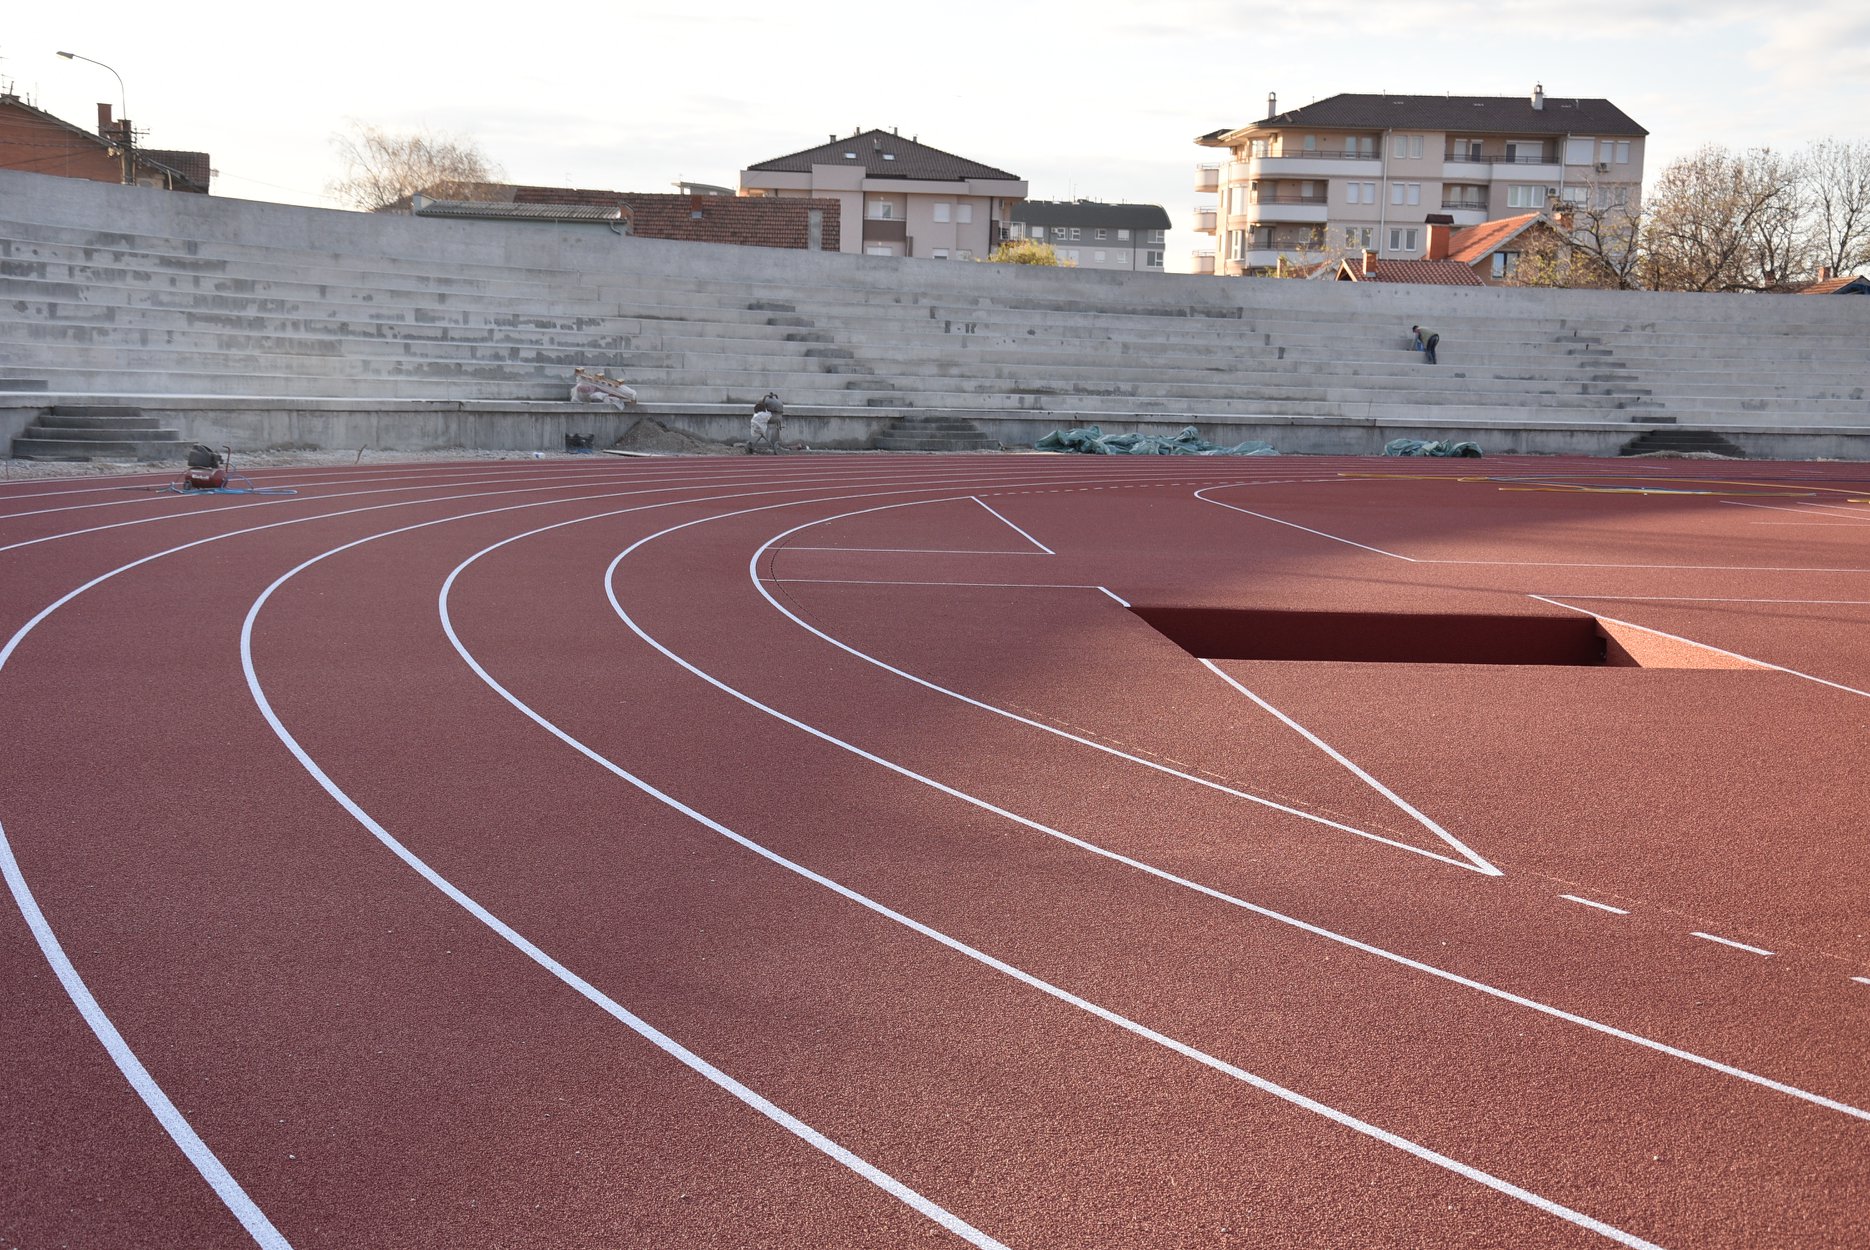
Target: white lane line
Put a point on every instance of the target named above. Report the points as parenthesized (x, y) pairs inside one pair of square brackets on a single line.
[(854, 581), (1220, 896), (1720, 599), (173, 1122), (1593, 903), (925, 551), (1133, 1027), (1016, 529), (1521, 564), (1740, 946), (1857, 519), (1403, 804), (1861, 980), (1203, 496), (1121, 602), (1779, 668), (635, 1023)]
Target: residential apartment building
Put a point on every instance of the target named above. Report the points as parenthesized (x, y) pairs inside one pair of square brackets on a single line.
[(896, 196), (1364, 172), (1093, 235)]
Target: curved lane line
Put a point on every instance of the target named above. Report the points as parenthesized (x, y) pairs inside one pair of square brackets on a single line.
[(1504, 995), (649, 1032)]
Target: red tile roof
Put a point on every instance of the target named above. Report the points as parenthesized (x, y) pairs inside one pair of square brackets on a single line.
[(1474, 243), (1830, 286)]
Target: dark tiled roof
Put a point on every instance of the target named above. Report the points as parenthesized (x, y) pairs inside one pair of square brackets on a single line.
[(194, 166), (1490, 114), (1091, 213), (884, 155), (501, 211), (1423, 272), (1471, 243), (752, 221)]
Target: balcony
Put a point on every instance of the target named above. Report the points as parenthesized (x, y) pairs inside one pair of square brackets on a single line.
[(1309, 164), (1207, 177), (1205, 215), (1466, 212), (1282, 208), (1203, 262)]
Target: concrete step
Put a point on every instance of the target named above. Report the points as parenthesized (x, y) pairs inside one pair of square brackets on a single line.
[(33, 447)]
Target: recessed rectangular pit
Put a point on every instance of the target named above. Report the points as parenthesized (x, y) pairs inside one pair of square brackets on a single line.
[(1380, 637)]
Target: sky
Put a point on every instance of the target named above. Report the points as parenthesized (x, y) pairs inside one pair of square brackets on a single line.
[(1091, 100)]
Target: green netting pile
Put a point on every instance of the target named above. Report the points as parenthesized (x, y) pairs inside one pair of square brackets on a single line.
[(1423, 447), (1188, 442)]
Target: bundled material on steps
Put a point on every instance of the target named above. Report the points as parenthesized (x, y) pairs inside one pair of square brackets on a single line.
[(1093, 441), (1426, 447)]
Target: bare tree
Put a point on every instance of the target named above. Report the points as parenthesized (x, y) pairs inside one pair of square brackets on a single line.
[(1721, 222), (1597, 245), (1837, 186), (381, 169)]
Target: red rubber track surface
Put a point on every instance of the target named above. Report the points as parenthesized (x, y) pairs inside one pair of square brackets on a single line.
[(819, 852)]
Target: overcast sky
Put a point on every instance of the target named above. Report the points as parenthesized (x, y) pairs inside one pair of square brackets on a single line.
[(1090, 100)]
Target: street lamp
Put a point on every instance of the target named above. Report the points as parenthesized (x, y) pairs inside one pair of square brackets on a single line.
[(123, 118)]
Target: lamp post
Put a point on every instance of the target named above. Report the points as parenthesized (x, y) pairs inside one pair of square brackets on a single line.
[(123, 119)]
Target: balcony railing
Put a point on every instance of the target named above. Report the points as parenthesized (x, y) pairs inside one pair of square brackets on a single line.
[(1479, 206), (1322, 154), (1518, 158), (1207, 177), (1288, 197)]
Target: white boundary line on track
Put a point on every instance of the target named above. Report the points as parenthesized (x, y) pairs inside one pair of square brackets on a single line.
[(1735, 655), (1741, 946), (1852, 516), (1016, 529), (635, 1023), (922, 551), (1516, 564), (1593, 903), (1342, 1118), (1408, 808), (858, 581)]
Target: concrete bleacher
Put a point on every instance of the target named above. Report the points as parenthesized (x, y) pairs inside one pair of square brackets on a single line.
[(268, 325)]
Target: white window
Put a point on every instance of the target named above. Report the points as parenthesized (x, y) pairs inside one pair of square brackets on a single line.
[(878, 249), (882, 210), (964, 254), (941, 253), (1155, 236), (1411, 147), (1154, 260), (1018, 230), (1623, 152), (964, 213), (1402, 240), (1353, 192), (1311, 143), (1350, 145), (1358, 236), (942, 208), (1075, 232), (1101, 236), (1098, 255), (1070, 254), (1606, 152), (1058, 232), (1527, 197), (1405, 193), (1123, 236), (1505, 264)]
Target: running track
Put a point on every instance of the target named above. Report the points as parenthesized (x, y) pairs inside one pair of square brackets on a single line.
[(818, 852)]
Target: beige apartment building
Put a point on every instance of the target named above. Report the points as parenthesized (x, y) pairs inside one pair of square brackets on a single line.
[(1364, 172), (897, 197)]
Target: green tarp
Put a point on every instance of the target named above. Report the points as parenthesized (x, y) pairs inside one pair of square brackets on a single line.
[(1093, 441)]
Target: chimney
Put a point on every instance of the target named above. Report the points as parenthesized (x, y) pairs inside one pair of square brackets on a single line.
[(1825, 274), (1370, 262), (1438, 235), (103, 120), (1272, 103), (1538, 96)]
